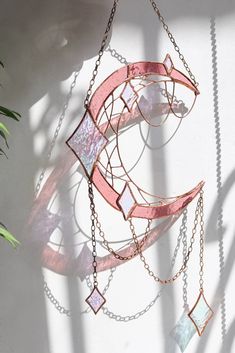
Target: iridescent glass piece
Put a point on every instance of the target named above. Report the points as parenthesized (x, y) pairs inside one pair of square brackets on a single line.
[(95, 300), (129, 95), (168, 64), (126, 201), (201, 314), (87, 142)]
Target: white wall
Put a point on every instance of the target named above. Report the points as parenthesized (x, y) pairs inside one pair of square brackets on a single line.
[(36, 80)]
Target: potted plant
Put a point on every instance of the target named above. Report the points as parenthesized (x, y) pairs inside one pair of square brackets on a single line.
[(6, 113)]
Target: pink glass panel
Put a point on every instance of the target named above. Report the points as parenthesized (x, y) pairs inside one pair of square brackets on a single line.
[(147, 212), (131, 71)]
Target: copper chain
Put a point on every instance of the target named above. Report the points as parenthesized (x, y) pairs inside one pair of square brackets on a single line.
[(101, 52), (198, 213), (112, 251), (201, 253), (93, 238), (104, 42), (173, 41)]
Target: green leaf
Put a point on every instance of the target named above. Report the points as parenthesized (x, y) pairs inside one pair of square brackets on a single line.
[(1, 64), (3, 132), (9, 113), (9, 237), (4, 137), (4, 129)]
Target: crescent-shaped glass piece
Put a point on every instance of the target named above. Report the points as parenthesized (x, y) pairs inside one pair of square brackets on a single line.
[(88, 141)]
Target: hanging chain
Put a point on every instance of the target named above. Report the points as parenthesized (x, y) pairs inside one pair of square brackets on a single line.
[(201, 254), (185, 275), (112, 251), (173, 41), (183, 267), (93, 238), (122, 59), (113, 52), (127, 318), (90, 190), (101, 52), (105, 310), (110, 278)]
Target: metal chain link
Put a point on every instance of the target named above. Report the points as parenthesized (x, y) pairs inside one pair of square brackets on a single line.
[(101, 52), (93, 238), (185, 275), (173, 41), (190, 248), (105, 310), (122, 59), (140, 313), (117, 55), (201, 253), (47, 291), (112, 251), (114, 53)]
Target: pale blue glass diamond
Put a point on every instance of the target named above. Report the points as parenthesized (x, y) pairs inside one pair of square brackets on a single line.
[(183, 331), (201, 314), (87, 142)]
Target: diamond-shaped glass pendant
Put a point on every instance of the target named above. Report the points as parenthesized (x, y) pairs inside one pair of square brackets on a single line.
[(95, 300), (183, 331), (87, 142), (201, 314), (126, 201), (129, 95), (168, 64)]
